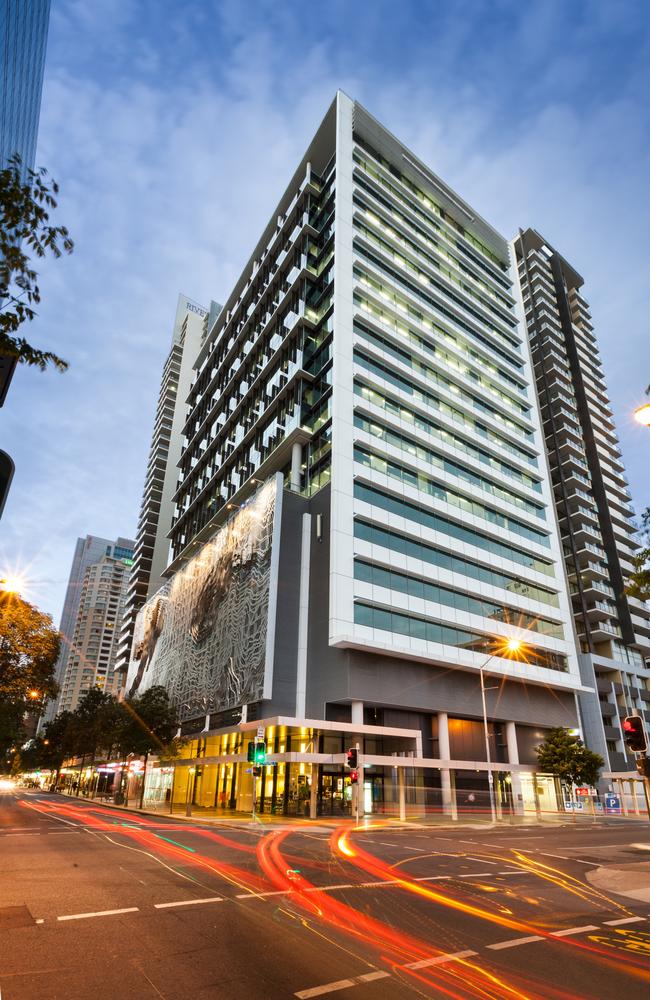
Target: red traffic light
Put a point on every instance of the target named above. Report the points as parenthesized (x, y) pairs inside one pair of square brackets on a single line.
[(354, 777), (352, 758), (634, 733)]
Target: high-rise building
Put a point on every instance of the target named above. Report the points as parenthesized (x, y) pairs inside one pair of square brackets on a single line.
[(23, 40), (591, 496), (81, 606), (364, 513), (152, 541)]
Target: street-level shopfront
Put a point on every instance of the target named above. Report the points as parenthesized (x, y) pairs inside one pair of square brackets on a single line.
[(305, 775)]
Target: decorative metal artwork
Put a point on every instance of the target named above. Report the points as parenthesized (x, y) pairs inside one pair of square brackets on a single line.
[(203, 635)]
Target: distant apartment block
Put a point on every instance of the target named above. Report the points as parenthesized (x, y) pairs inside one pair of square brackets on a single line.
[(152, 542), (592, 498), (91, 619)]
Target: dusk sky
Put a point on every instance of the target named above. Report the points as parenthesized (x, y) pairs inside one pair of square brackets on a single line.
[(173, 128)]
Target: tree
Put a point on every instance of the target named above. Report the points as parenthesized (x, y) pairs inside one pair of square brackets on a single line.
[(94, 724), (25, 204), (29, 649), (566, 757), (149, 723), (638, 584)]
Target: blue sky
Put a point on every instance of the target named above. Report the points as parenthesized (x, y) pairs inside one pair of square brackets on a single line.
[(173, 128)]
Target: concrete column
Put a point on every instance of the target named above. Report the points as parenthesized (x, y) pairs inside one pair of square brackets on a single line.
[(357, 713), (313, 797), (401, 788), (446, 777), (633, 785), (513, 758), (623, 796), (296, 463)]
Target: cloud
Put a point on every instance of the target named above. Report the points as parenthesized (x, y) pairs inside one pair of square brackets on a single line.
[(174, 132)]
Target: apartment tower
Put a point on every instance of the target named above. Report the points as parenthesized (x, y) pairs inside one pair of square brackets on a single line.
[(152, 543), (592, 499)]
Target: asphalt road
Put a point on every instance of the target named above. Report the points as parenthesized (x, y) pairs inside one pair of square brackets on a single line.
[(100, 904)]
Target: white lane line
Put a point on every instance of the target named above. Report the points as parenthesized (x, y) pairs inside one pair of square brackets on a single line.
[(262, 895), (432, 878), (624, 920), (563, 858), (475, 875), (189, 902), (513, 871), (340, 984), (514, 942), (40, 920), (326, 888), (441, 959), (99, 913), (482, 861), (574, 930), (384, 844)]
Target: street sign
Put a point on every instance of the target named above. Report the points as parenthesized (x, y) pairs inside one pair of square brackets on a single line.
[(260, 732), (582, 791), (612, 804)]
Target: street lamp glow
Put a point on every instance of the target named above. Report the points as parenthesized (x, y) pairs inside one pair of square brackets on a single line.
[(642, 414)]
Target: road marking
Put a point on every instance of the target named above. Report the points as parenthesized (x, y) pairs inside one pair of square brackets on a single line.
[(563, 858), (482, 861), (441, 959), (40, 920), (476, 875), (99, 913), (513, 871), (189, 902), (624, 920), (514, 942), (261, 895), (340, 984), (574, 930)]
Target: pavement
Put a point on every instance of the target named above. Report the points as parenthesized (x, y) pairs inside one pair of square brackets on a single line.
[(98, 902)]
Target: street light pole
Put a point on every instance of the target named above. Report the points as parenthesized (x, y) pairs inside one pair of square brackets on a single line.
[(486, 735)]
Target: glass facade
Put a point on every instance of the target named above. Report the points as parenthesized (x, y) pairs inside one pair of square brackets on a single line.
[(23, 40), (266, 369)]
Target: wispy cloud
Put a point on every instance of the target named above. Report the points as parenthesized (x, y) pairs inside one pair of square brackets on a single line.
[(173, 130)]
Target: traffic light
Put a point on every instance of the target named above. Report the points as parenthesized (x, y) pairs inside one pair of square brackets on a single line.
[(260, 753), (251, 753), (643, 766), (352, 758), (634, 733), (257, 772), (354, 777)]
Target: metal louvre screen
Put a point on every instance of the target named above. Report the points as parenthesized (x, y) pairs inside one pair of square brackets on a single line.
[(203, 636)]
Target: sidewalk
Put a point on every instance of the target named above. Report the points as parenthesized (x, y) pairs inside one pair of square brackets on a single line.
[(631, 880), (244, 819)]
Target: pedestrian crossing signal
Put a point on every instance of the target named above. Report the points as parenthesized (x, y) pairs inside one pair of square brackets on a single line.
[(260, 753)]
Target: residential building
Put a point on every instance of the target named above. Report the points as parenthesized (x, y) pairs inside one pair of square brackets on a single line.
[(591, 496), (23, 40), (364, 513), (86, 602), (152, 542)]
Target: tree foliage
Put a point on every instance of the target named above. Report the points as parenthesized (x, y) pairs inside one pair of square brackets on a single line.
[(26, 200), (148, 722), (638, 584), (568, 758), (29, 649)]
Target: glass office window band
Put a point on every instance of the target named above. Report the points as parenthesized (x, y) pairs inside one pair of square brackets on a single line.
[(381, 370), (414, 512), (412, 447), (386, 466), (414, 627), (378, 576), (396, 542), (439, 431)]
